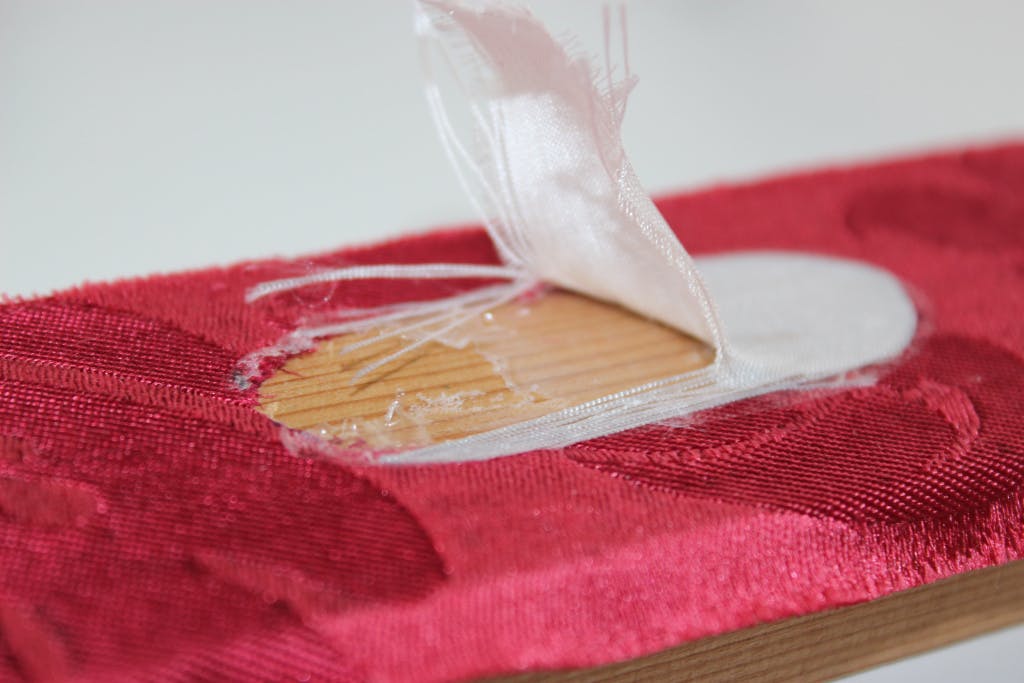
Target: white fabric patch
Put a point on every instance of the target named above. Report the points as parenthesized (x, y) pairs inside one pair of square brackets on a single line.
[(790, 315)]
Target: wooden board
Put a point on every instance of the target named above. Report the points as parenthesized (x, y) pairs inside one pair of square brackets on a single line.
[(834, 643), (519, 361)]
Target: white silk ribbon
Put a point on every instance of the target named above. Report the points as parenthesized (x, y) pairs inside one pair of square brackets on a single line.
[(539, 151)]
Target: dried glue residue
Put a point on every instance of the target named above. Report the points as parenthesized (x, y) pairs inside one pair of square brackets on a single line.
[(513, 363)]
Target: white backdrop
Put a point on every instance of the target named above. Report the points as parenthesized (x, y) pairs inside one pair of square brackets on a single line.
[(151, 135), (154, 135)]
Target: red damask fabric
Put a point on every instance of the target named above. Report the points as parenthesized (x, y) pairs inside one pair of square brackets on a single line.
[(154, 527)]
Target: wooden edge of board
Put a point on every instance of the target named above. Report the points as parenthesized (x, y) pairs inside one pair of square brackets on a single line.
[(829, 644)]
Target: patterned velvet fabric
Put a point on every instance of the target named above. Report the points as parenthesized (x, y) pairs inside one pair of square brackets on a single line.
[(154, 527)]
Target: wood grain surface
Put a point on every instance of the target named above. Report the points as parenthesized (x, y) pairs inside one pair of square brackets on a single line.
[(519, 361)]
